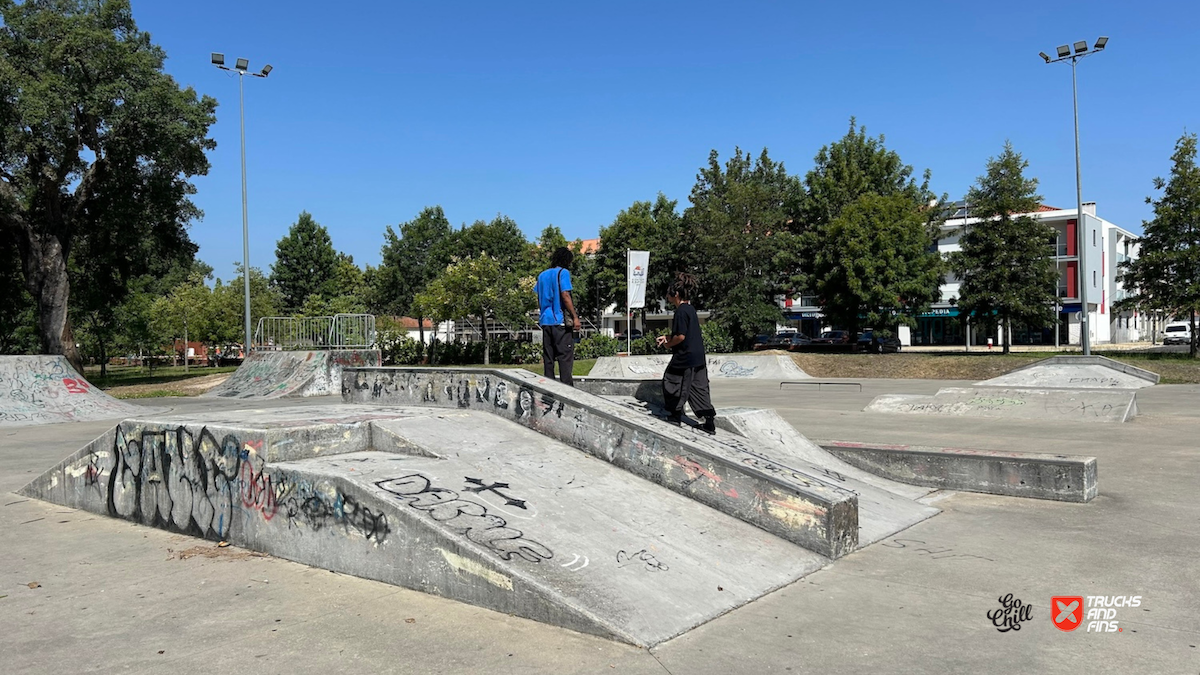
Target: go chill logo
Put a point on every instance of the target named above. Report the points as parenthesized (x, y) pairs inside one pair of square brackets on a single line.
[(1097, 612)]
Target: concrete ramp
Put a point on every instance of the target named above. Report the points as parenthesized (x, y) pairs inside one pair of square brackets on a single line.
[(885, 507), (1083, 405), (280, 374), (1076, 372), (47, 390), (734, 366), (454, 502)]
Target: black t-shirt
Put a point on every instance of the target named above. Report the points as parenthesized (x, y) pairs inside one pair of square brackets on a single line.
[(690, 352)]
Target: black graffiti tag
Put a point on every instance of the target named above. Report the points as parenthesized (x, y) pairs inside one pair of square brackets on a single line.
[(467, 518)]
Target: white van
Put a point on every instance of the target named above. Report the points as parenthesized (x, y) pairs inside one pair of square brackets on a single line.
[(1177, 333)]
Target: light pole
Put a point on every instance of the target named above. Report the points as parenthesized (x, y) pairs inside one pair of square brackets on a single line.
[(1065, 53), (241, 66)]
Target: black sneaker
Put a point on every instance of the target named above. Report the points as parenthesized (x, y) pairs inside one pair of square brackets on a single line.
[(709, 426), (674, 420)]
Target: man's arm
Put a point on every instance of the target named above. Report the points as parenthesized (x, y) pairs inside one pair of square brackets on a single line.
[(569, 306)]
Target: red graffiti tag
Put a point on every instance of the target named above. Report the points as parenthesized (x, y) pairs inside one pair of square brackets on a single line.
[(695, 471), (257, 492), (75, 386)]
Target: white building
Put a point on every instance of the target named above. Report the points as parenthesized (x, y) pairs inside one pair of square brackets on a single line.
[(1105, 246)]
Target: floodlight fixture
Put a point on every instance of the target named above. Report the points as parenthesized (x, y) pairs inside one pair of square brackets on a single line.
[(265, 71), (1064, 51), (242, 64), (1081, 46), (1045, 56), (1101, 42), (218, 59)]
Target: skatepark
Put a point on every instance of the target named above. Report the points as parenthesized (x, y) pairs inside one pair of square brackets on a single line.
[(480, 519)]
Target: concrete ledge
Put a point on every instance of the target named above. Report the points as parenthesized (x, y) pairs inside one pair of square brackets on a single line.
[(1065, 478), (1084, 405), (789, 502)]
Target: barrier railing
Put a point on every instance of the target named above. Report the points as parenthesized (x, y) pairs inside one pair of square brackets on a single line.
[(340, 331)]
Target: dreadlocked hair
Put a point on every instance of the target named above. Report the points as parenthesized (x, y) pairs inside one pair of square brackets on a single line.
[(684, 286), (562, 257)]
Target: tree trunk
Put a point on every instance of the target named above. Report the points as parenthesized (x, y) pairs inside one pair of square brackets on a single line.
[(421, 332), (45, 266), (185, 345), (486, 345), (1192, 345), (1006, 334)]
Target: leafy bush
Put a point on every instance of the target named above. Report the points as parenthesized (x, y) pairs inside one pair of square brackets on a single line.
[(471, 353), (597, 345), (717, 340), (646, 343), (397, 348)]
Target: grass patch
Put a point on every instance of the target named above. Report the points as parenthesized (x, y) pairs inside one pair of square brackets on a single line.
[(157, 393), (1172, 368), (122, 376)]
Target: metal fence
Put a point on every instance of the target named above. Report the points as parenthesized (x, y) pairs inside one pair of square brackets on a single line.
[(341, 331)]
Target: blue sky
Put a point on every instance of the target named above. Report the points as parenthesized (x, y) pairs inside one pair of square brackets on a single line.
[(565, 113)]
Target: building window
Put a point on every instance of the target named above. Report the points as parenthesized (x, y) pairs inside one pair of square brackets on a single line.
[(1093, 277), (1093, 237)]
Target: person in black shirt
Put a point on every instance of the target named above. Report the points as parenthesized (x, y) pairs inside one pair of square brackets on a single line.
[(685, 381)]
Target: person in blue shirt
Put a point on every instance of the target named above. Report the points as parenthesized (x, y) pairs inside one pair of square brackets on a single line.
[(685, 380), (554, 308)]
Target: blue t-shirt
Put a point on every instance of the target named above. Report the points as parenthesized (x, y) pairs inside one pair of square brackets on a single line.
[(549, 301)]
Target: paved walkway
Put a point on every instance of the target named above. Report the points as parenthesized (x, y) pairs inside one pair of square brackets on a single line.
[(118, 597)]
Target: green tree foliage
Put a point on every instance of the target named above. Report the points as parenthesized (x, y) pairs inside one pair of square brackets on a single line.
[(186, 314), (876, 264), (482, 288), (1166, 274), (97, 145), (1006, 272), (347, 293), (229, 302), (18, 318), (656, 227), (740, 240), (305, 264), (409, 262), (501, 239)]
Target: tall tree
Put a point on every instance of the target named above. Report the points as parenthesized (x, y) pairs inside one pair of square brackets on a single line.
[(1005, 271), (479, 287), (18, 320), (741, 242), (643, 226), (1166, 274), (500, 238), (228, 305), (305, 263), (96, 142), (410, 261), (877, 264)]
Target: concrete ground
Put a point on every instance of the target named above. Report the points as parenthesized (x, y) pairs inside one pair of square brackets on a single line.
[(114, 597)]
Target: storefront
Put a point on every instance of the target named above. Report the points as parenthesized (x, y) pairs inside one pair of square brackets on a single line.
[(939, 326)]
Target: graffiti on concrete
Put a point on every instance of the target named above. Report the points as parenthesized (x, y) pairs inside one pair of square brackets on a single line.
[(643, 559), (271, 374), (731, 368), (465, 517), (172, 478), (477, 486), (323, 507), (45, 389)]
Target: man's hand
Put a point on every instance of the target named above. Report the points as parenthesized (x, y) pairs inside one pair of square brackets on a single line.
[(577, 325), (661, 340)]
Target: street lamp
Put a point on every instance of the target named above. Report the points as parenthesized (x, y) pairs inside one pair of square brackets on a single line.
[(1064, 53), (241, 67)]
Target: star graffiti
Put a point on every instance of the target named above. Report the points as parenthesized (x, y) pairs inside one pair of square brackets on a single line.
[(477, 486)]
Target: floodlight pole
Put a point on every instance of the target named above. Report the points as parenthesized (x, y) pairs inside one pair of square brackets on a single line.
[(1080, 229), (241, 68), (1085, 338), (245, 216)]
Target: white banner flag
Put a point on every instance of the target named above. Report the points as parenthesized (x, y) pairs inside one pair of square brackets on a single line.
[(639, 262)]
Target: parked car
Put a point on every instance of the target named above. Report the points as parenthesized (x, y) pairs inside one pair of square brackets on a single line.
[(784, 340), (760, 339), (635, 335), (872, 342), (832, 338), (1177, 333)]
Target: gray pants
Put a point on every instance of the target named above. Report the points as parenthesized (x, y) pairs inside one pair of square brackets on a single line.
[(558, 346), (690, 386)]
